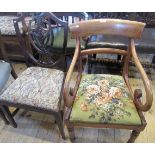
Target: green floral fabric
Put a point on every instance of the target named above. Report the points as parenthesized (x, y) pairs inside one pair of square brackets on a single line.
[(104, 99)]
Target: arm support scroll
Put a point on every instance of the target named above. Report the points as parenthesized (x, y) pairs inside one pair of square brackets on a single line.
[(146, 82), (69, 94)]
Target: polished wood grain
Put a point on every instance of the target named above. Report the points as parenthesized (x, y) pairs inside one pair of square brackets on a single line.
[(103, 51), (69, 94), (146, 81), (126, 59), (126, 28)]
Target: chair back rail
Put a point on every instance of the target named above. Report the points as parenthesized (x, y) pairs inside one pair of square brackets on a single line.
[(103, 50), (126, 28)]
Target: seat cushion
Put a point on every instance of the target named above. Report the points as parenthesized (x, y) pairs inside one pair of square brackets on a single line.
[(104, 99), (5, 70), (37, 87)]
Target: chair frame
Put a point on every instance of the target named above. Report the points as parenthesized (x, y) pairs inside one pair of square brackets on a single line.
[(58, 113), (130, 29)]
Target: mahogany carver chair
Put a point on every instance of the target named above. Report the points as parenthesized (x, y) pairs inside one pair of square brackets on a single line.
[(38, 88), (102, 100)]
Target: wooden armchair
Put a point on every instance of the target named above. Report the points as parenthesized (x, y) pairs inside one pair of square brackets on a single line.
[(101, 100)]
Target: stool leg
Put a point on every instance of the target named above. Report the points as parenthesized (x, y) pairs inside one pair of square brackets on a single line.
[(71, 131), (60, 125), (133, 136), (3, 117), (9, 116)]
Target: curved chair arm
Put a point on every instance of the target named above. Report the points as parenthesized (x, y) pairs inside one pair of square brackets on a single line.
[(146, 81), (69, 93)]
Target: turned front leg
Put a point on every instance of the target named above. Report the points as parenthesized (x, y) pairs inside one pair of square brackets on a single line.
[(133, 136), (71, 132)]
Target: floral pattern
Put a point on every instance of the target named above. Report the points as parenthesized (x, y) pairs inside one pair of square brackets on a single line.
[(37, 87), (104, 98)]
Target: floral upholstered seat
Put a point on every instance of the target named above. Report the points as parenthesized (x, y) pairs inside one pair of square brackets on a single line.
[(37, 87), (104, 99)]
